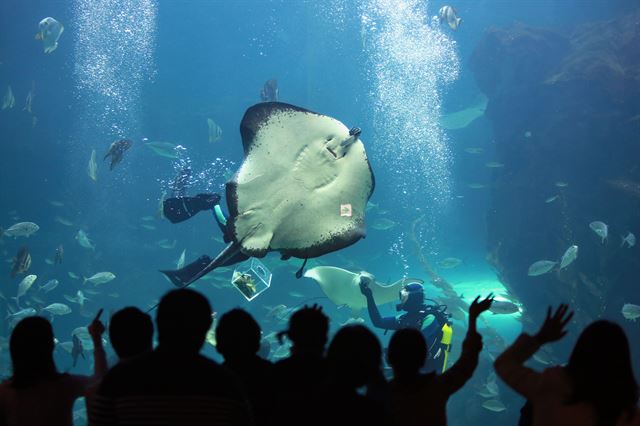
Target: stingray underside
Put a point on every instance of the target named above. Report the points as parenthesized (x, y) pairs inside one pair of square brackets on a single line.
[(301, 190)]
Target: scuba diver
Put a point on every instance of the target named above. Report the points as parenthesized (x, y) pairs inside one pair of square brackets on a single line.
[(179, 209), (432, 320)]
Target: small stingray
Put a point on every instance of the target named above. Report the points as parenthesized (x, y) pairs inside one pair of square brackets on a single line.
[(301, 190), (461, 119), (342, 287)]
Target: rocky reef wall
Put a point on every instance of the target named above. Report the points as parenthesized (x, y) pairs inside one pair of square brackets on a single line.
[(565, 111)]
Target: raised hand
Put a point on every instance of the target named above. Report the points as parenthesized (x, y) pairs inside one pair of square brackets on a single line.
[(477, 308), (553, 327), (96, 328)]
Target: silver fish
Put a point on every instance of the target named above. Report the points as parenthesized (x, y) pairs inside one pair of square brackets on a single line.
[(23, 313), (84, 241), (100, 278), (541, 267), (24, 286), (50, 285), (630, 240), (448, 15), (57, 309), (494, 405), (630, 311), (8, 101), (92, 167), (569, 256), (600, 228), (215, 132), (504, 307), (21, 229)]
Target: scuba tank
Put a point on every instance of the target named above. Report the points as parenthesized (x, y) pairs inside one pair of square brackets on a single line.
[(442, 339)]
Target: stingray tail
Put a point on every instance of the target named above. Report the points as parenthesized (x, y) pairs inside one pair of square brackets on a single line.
[(300, 271)]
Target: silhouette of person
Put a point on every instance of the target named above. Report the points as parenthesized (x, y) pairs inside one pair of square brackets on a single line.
[(131, 333), (238, 338), (37, 394), (298, 394), (354, 360), (596, 387), (173, 384), (419, 399)]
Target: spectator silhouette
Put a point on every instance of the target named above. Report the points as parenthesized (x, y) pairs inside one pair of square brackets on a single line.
[(298, 394), (419, 399), (238, 341), (174, 384), (596, 387), (354, 360), (131, 333), (37, 394)]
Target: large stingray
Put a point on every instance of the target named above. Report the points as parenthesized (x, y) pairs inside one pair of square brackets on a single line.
[(342, 287), (301, 190)]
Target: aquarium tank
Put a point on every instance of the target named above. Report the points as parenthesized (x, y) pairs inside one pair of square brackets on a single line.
[(472, 147)]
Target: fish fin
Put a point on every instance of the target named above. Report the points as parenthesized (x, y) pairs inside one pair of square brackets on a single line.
[(84, 280), (38, 36), (458, 20)]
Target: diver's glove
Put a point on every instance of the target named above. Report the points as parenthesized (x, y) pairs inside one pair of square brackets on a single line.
[(365, 280)]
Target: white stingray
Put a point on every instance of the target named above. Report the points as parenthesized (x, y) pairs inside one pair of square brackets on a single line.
[(462, 118), (342, 287)]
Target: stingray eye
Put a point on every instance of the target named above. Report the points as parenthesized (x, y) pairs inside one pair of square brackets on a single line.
[(329, 138)]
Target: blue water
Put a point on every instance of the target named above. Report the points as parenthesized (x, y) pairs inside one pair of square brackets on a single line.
[(155, 69)]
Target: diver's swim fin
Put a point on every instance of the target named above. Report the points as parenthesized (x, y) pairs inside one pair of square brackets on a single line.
[(203, 265), (182, 208), (182, 277)]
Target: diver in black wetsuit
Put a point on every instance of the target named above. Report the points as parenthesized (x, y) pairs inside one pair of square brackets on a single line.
[(431, 320), (179, 209)]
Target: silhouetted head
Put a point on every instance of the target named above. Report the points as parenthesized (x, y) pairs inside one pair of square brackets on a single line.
[(31, 348), (184, 317), (237, 335), (601, 372), (407, 352), (131, 332), (411, 297), (308, 328), (354, 356)]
